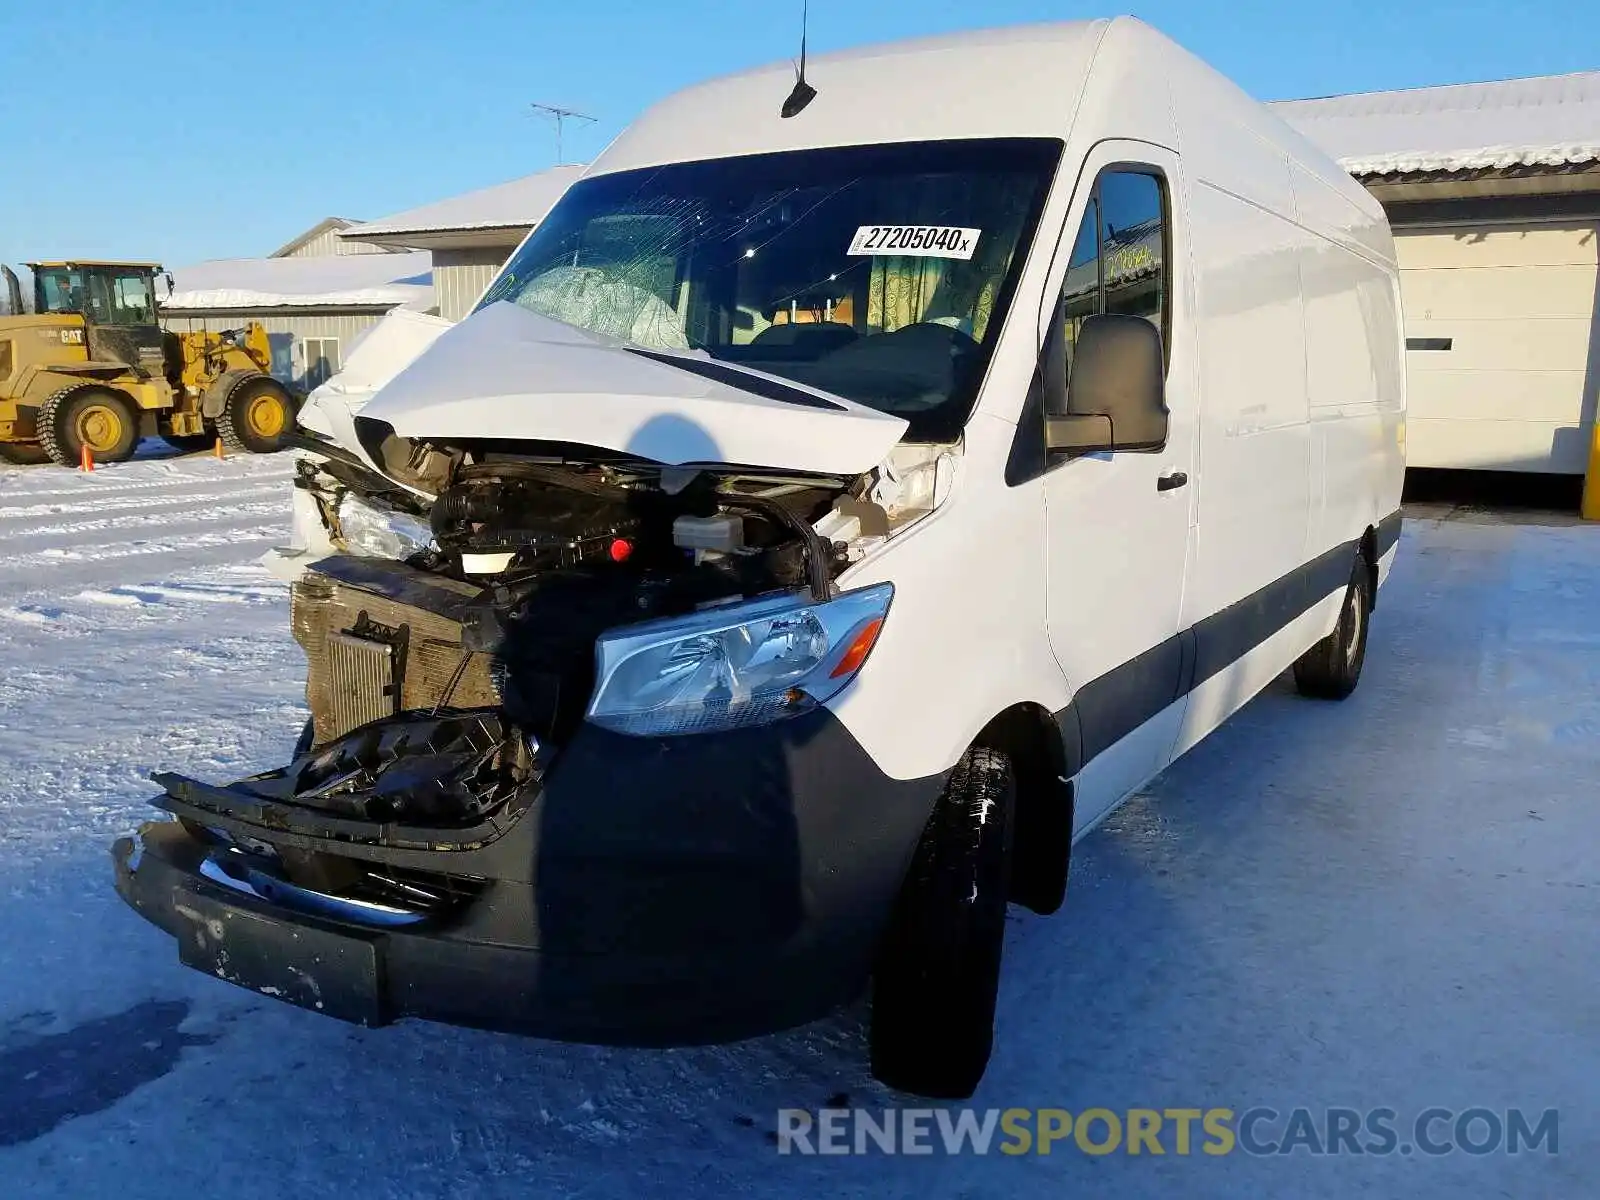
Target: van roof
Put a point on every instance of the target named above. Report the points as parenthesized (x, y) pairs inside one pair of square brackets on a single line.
[(1017, 81)]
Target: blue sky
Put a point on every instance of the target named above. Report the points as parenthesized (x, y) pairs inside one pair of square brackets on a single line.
[(190, 129)]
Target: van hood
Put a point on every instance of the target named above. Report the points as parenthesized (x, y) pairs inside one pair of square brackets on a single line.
[(380, 354), (507, 373)]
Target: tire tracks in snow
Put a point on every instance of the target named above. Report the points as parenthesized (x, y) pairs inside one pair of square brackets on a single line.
[(67, 537), (36, 516), (28, 565)]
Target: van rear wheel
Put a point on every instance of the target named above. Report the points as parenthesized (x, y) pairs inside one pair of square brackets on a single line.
[(938, 971), (1331, 669)]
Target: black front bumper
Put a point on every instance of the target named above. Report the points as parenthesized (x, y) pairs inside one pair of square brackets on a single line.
[(656, 891)]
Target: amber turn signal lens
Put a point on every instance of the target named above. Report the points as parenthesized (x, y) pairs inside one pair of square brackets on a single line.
[(856, 652)]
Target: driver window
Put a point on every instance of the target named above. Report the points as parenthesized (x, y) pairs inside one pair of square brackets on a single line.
[(1119, 260), (1133, 241)]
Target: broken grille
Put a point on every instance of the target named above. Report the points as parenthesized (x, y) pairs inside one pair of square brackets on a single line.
[(345, 630)]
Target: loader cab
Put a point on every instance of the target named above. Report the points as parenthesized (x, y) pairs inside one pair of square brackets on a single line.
[(117, 302)]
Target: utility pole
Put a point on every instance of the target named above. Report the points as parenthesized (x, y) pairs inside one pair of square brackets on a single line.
[(560, 116)]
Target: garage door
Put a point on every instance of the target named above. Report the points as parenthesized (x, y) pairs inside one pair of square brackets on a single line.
[(1503, 345)]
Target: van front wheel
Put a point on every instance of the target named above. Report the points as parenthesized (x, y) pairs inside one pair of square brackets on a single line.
[(1331, 669), (938, 972)]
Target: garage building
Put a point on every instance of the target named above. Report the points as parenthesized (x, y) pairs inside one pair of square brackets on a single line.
[(1493, 190), (470, 236), (314, 296)]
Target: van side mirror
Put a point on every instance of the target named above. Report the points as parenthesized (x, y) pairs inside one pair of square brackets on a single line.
[(1116, 390)]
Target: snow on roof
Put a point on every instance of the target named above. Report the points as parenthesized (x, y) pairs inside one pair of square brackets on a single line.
[(342, 281), (1548, 120), (521, 203)]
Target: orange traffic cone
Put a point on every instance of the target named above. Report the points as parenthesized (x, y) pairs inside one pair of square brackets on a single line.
[(85, 458), (217, 449)]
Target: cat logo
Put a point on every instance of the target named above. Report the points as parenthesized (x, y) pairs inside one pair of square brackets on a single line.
[(72, 337)]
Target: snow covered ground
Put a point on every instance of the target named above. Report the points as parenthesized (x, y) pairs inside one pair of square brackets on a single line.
[(1387, 903)]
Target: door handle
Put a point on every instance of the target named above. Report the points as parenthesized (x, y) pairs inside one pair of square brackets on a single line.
[(1170, 480)]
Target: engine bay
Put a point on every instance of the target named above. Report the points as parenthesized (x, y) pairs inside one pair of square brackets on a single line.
[(451, 635)]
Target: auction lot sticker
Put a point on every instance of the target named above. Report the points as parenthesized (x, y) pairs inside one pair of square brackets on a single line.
[(922, 241)]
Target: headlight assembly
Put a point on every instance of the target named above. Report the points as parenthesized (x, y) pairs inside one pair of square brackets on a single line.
[(734, 666), (381, 532)]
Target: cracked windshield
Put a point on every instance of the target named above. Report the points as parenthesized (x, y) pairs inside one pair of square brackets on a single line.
[(877, 273)]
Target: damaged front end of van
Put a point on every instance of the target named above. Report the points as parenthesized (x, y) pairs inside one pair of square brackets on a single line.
[(586, 589), (569, 768)]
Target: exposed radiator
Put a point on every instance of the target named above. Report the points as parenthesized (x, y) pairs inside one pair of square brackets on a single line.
[(362, 684), (381, 637)]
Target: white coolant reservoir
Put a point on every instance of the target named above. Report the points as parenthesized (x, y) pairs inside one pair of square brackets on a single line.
[(486, 564)]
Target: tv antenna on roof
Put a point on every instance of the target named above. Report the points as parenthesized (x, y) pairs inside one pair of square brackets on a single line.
[(560, 116)]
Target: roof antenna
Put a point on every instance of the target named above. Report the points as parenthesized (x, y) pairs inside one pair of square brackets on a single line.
[(559, 116), (803, 93)]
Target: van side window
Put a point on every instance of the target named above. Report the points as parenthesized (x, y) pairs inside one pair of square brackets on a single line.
[(1133, 239), (1119, 260)]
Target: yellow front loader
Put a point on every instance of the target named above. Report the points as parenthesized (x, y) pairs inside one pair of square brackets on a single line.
[(91, 367)]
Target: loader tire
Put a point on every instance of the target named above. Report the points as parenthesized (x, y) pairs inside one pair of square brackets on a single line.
[(23, 454), (256, 415), (938, 970), (1331, 669), (86, 415)]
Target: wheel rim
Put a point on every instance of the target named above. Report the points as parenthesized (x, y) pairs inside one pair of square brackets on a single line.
[(101, 426), (265, 415), (1358, 618)]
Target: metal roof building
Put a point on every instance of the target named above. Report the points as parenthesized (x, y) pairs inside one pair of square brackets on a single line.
[(471, 235), (314, 296), (1548, 122), (323, 239)]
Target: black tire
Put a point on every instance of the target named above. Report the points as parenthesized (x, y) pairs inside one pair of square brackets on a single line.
[(938, 971), (239, 424), (105, 418), (23, 454), (1331, 669)]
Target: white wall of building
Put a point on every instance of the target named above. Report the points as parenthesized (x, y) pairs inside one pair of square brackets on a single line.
[(329, 242), (460, 275), (306, 346)]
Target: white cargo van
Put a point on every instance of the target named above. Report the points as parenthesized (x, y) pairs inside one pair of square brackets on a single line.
[(848, 494)]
